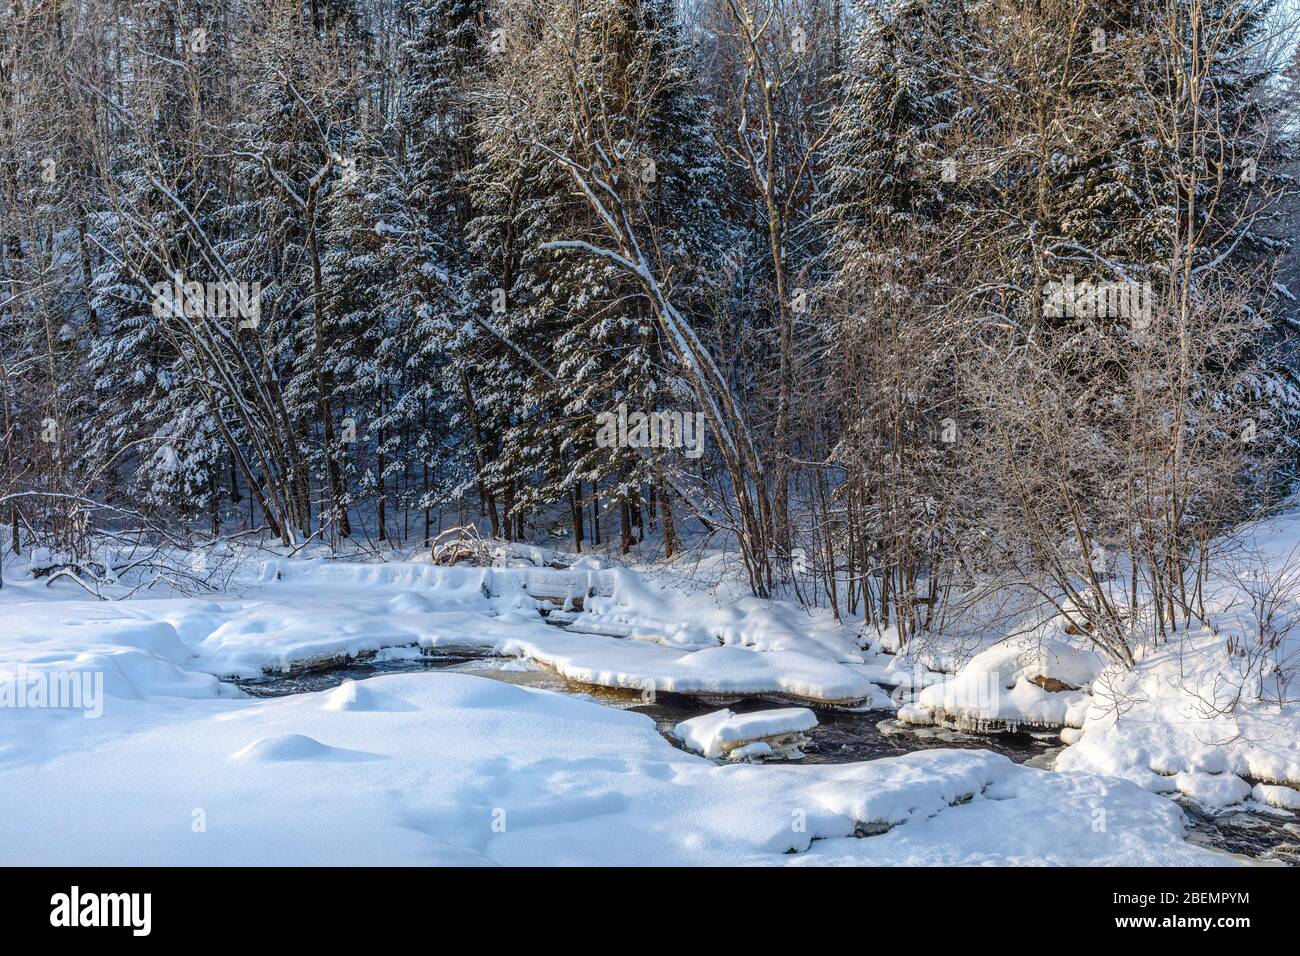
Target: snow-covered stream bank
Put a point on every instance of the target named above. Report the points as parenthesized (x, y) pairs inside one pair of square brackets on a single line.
[(454, 767)]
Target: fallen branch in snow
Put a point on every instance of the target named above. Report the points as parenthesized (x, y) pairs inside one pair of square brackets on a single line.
[(68, 572)]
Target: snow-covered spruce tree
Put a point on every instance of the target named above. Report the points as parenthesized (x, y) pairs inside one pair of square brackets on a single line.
[(440, 57), (442, 60), (895, 349), (362, 313), (586, 323), (617, 355), (298, 93), (600, 155), (523, 296)]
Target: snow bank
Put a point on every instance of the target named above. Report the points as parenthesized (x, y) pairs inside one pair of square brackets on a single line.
[(1025, 682), (1166, 725), (493, 582), (1285, 798), (1211, 789), (634, 636), (722, 671), (1189, 718)]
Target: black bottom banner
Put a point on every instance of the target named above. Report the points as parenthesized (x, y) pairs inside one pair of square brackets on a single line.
[(333, 905)]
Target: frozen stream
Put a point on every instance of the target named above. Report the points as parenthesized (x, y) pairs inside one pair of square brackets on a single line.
[(841, 736)]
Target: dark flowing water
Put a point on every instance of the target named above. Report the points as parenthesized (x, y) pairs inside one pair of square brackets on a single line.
[(308, 680), (1273, 837), (841, 736), (847, 736)]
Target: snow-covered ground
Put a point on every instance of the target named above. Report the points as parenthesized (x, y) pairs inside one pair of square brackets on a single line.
[(164, 762), (1201, 715), (453, 769)]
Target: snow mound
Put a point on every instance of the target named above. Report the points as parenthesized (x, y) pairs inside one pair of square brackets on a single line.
[(290, 747), (1212, 789), (351, 695), (135, 657), (1285, 798), (740, 736), (915, 714), (410, 602), (1039, 682)]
